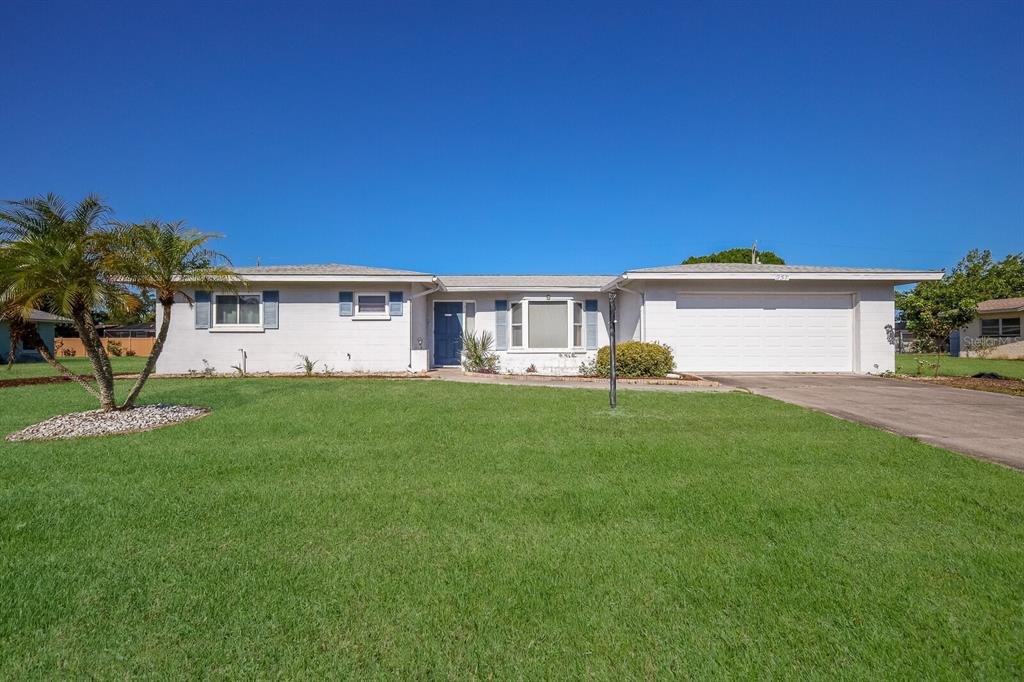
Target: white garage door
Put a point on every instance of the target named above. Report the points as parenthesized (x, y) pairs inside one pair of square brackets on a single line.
[(764, 333)]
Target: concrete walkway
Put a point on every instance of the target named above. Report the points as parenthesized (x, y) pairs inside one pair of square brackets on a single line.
[(988, 426), (452, 374)]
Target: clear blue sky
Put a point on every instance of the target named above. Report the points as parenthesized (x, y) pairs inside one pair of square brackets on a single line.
[(530, 137)]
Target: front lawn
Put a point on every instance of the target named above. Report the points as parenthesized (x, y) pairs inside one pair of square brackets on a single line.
[(30, 370), (421, 529), (906, 363)]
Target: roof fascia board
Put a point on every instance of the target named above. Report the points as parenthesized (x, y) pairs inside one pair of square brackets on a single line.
[(789, 276), (521, 288)]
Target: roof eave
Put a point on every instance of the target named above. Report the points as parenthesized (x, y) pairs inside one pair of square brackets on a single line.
[(899, 277), (521, 288)]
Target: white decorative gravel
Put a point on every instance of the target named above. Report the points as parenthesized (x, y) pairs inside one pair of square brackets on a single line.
[(100, 423)]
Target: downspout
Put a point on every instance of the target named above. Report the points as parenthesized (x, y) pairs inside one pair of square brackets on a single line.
[(425, 292)]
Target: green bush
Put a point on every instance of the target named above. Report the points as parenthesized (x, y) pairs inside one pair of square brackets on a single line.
[(636, 359)]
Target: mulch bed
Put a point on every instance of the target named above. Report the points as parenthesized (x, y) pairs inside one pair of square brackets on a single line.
[(1007, 386), (683, 380)]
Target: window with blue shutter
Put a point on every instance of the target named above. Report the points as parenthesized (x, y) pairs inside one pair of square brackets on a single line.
[(346, 308), (271, 301), (591, 322), (202, 309), (395, 303), (501, 325)]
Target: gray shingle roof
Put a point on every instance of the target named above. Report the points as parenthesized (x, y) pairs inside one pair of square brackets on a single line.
[(747, 267), (513, 282), (43, 316), (322, 269), (994, 305)]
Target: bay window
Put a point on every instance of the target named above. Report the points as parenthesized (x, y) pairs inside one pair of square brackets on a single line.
[(547, 325)]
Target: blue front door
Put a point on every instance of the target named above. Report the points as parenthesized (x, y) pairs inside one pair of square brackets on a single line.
[(447, 333)]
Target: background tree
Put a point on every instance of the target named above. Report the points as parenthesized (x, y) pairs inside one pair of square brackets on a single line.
[(736, 256), (52, 256), (934, 310), (165, 258), (987, 278)]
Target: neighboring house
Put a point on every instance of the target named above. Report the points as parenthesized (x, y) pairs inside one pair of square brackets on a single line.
[(996, 331), (45, 324), (715, 317)]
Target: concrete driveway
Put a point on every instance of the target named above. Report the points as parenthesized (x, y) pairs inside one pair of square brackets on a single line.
[(985, 425)]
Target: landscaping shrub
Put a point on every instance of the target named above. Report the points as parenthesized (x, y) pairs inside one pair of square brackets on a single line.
[(115, 348), (636, 359), (477, 355)]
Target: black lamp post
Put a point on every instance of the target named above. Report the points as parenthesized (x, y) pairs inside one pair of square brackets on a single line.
[(612, 314)]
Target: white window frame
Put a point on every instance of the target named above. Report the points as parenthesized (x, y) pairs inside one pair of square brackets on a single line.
[(569, 302), (214, 327), (371, 316)]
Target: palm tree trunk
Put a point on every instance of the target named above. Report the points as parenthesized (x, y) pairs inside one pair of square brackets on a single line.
[(28, 334), (158, 346), (86, 327), (64, 371)]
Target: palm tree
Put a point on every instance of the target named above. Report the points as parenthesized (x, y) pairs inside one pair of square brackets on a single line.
[(52, 253), (165, 258)]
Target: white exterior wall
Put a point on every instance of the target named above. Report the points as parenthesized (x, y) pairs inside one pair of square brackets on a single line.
[(517, 361), (309, 324), (873, 313)]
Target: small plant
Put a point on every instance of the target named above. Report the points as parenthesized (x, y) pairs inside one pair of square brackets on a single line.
[(327, 370), (306, 365), (477, 355), (239, 372), (67, 352), (206, 372), (532, 369), (130, 352), (588, 368), (923, 364), (115, 348)]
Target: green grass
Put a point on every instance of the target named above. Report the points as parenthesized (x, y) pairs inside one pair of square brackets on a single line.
[(421, 529), (906, 363), (26, 370)]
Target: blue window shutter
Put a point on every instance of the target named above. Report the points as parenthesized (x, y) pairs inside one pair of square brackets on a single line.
[(345, 306), (395, 299), (590, 319), (202, 299), (271, 300), (501, 325)]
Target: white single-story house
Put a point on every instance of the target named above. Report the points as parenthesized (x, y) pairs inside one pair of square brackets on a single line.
[(45, 324), (998, 326), (715, 317)]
